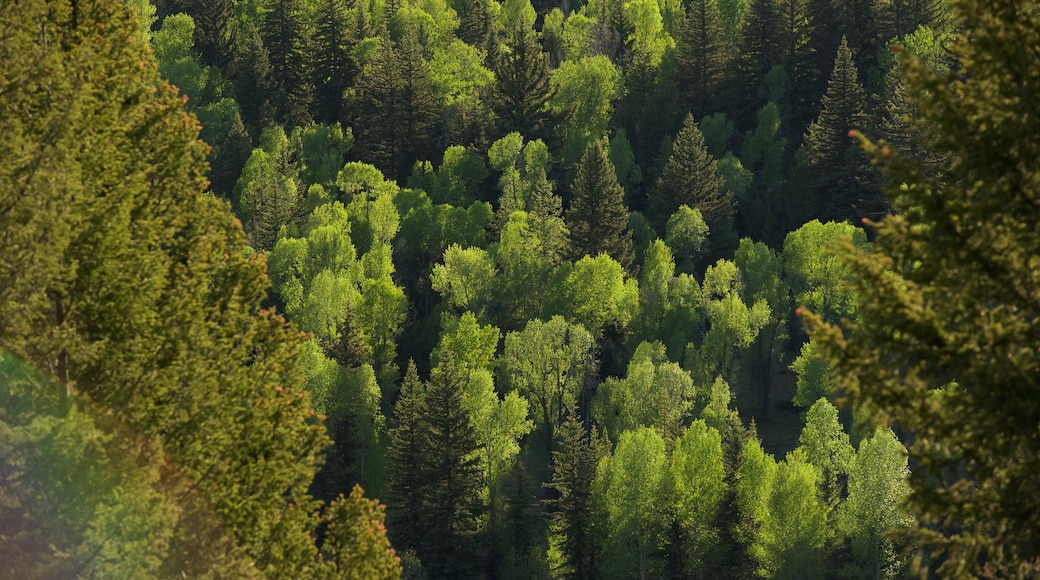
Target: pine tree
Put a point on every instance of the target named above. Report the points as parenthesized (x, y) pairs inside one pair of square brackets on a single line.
[(405, 486), (334, 66), (451, 475), (832, 173), (574, 462), (946, 346), (703, 58), (125, 281), (690, 178), (522, 89), (598, 218), (214, 30)]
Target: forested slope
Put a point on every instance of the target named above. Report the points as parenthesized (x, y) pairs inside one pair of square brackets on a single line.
[(533, 274)]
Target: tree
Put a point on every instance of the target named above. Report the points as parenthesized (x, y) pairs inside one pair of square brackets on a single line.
[(355, 539), (598, 218), (630, 496), (827, 448), (836, 180), (523, 93), (451, 475), (575, 457), (690, 177), (703, 57), (698, 488), (334, 65), (405, 486), (286, 35), (872, 513), (947, 360), (215, 27), (396, 112), (124, 280), (548, 362)]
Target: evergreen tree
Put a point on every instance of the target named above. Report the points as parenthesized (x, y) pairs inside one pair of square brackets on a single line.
[(598, 218), (124, 280), (946, 346), (451, 475), (251, 71), (690, 178), (334, 66), (396, 112), (522, 90), (574, 461), (760, 51), (286, 36), (832, 173), (702, 60), (405, 486), (355, 540), (214, 30), (798, 61)]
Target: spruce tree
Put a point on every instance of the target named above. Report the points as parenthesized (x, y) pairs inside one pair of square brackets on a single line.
[(404, 486), (286, 36), (575, 457), (946, 348), (396, 112), (451, 476), (760, 51), (832, 174), (334, 66), (522, 89), (598, 218), (703, 58), (690, 178), (215, 26), (251, 71), (125, 281)]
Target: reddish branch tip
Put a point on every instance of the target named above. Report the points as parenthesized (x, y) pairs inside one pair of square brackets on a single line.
[(798, 311), (852, 132)]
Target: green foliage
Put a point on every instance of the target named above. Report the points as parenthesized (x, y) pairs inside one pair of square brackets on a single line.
[(814, 376), (549, 362), (594, 293), (686, 235), (630, 498), (655, 393), (355, 540), (584, 91), (945, 348), (690, 177), (598, 218), (873, 512), (827, 448), (817, 276), (698, 488), (466, 278), (125, 281)]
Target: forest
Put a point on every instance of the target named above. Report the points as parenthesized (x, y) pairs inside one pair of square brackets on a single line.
[(436, 289)]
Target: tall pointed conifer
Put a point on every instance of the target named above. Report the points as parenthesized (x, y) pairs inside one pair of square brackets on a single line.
[(598, 218)]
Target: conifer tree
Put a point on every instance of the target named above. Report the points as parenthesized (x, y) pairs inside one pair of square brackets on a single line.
[(832, 173), (396, 112), (355, 540), (451, 476), (125, 281), (598, 218), (404, 487), (690, 178), (703, 57), (286, 36), (946, 346), (574, 461), (215, 26), (334, 66), (760, 51), (522, 90), (251, 71)]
